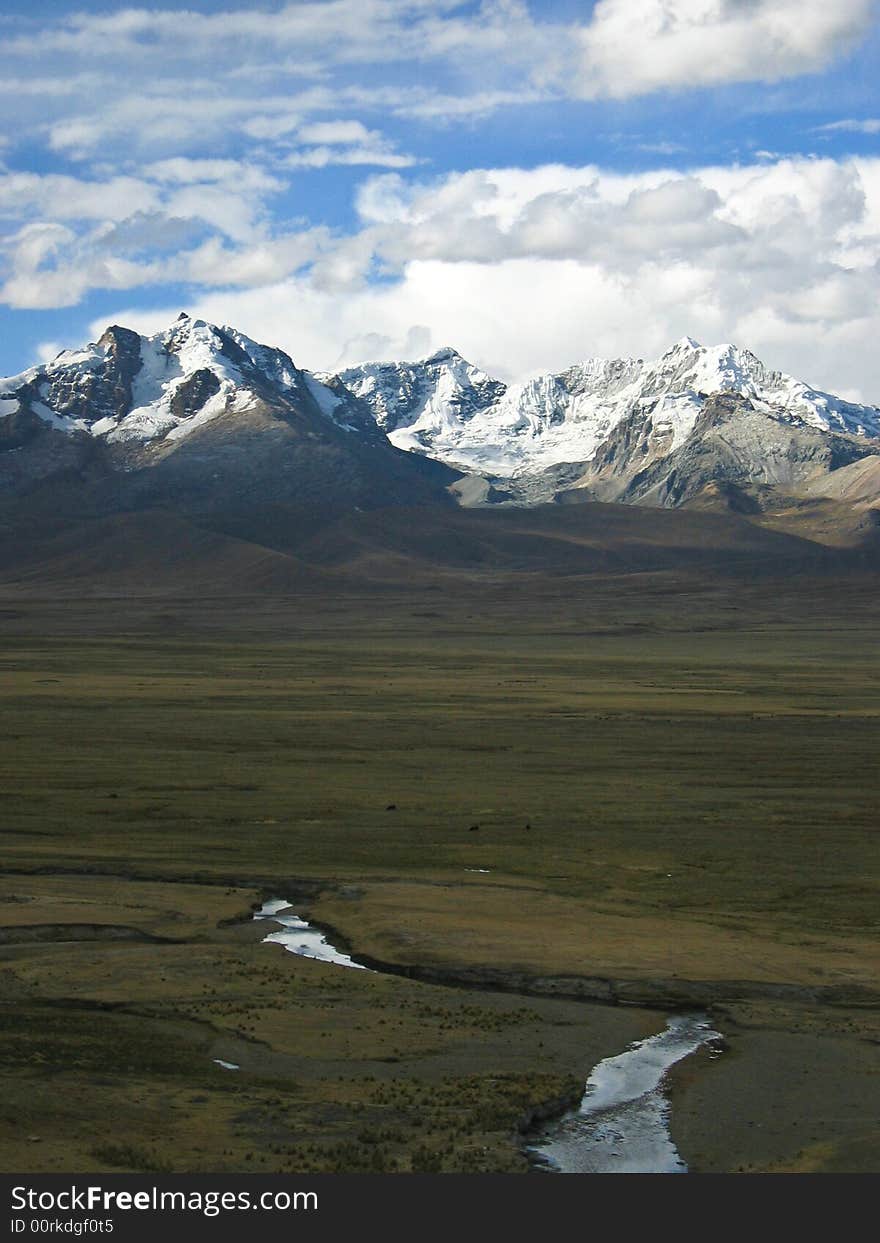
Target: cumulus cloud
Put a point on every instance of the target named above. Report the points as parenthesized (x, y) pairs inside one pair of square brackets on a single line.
[(198, 220), (529, 270), (73, 198), (189, 127), (632, 47), (48, 266)]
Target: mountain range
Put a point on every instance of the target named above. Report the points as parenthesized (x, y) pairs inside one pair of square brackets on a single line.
[(201, 421), (652, 432), (198, 413)]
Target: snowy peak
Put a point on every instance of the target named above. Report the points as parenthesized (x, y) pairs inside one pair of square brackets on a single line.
[(416, 404), (201, 415), (446, 354), (131, 388), (705, 370), (709, 369), (446, 408), (625, 424)]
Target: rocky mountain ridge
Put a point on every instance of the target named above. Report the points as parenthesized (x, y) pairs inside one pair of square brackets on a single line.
[(449, 409), (206, 409), (203, 414)]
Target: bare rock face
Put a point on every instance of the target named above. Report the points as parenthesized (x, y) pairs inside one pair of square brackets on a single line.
[(731, 443), (92, 393), (19, 428), (123, 364), (190, 396)]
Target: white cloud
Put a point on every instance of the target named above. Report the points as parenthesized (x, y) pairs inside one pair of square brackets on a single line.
[(528, 270), (632, 47), (47, 266), (37, 243), (47, 350), (147, 120), (257, 264), (349, 132), (72, 198), (120, 232), (270, 126), (626, 47), (435, 105), (184, 171), (323, 157), (232, 215), (168, 82), (870, 125), (345, 142)]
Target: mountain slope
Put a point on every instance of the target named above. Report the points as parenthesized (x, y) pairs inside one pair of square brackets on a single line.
[(429, 548), (201, 420), (732, 440), (197, 461), (198, 414), (530, 435)]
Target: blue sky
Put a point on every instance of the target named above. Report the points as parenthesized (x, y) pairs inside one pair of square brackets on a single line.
[(533, 183)]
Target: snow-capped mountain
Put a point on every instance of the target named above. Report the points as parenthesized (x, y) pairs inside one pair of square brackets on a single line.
[(420, 404), (448, 409), (202, 408), (131, 388), (205, 412)]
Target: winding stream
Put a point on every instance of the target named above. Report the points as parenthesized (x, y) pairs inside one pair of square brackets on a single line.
[(299, 937), (621, 1123)]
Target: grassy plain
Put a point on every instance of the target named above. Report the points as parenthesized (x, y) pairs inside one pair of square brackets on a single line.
[(675, 788)]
